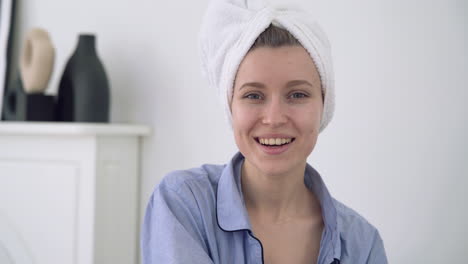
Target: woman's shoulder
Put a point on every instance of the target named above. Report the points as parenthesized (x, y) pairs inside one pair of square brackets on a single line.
[(187, 194), (360, 240), (351, 224), (181, 212), (201, 178)]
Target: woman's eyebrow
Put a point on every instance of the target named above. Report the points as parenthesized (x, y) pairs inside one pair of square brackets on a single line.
[(298, 82), (253, 84), (289, 84)]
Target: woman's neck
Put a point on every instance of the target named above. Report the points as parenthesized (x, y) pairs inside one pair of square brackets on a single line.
[(277, 198)]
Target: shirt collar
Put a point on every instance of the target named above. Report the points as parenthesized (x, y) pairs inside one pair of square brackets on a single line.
[(232, 214), (230, 208), (231, 211)]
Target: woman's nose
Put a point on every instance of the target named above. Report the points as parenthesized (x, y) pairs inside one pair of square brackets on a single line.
[(275, 113)]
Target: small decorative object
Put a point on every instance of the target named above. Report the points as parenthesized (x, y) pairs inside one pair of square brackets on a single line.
[(7, 12), (21, 106), (26, 100), (84, 94), (37, 61)]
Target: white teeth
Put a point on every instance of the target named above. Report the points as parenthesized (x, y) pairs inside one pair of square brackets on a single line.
[(274, 141)]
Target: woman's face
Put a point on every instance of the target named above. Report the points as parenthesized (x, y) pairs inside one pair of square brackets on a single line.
[(276, 108)]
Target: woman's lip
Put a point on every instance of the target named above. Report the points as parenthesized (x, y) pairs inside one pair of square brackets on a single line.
[(274, 150), (274, 136)]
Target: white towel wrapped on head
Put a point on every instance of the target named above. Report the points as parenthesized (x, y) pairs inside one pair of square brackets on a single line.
[(230, 28)]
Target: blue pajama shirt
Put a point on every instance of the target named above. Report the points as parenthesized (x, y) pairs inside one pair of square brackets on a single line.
[(198, 216)]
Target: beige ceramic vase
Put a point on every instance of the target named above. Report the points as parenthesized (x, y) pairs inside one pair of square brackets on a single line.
[(36, 61)]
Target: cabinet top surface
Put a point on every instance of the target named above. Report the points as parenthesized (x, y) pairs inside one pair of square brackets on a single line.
[(65, 128)]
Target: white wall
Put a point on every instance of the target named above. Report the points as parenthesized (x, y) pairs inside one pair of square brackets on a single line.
[(396, 150)]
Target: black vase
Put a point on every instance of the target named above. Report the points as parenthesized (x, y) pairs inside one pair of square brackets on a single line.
[(84, 94)]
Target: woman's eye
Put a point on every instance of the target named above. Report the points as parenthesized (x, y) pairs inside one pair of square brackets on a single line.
[(253, 96), (298, 95)]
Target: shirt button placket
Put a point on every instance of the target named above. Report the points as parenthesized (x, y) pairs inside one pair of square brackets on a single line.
[(259, 253), (256, 251)]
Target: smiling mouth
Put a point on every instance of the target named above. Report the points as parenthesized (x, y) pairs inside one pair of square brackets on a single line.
[(274, 142)]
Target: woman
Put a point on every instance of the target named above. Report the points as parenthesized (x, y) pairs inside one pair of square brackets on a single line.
[(267, 205)]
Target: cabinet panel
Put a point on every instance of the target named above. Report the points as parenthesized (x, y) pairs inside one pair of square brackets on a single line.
[(117, 181), (69, 193), (38, 210)]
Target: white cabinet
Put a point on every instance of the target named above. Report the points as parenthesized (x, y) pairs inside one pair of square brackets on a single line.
[(69, 193)]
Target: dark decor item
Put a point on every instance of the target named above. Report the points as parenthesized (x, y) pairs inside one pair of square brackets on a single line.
[(24, 98), (7, 20), (22, 106), (84, 94)]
